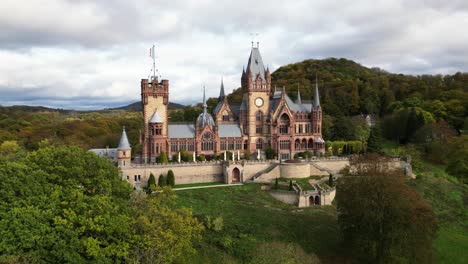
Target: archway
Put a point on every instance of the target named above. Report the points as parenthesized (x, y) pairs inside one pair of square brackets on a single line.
[(235, 175), (317, 200), (311, 200)]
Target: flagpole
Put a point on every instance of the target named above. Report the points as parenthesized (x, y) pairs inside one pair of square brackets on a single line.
[(154, 63)]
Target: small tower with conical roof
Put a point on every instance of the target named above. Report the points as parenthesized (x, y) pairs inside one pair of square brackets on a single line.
[(124, 150)]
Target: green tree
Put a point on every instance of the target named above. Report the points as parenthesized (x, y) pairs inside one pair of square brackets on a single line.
[(290, 185), (163, 233), (163, 158), (377, 211), (161, 180), (247, 154), (330, 181), (151, 183), (276, 184), (375, 141), (458, 159), (170, 178), (270, 153)]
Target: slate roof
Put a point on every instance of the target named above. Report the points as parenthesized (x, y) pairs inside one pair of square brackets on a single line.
[(235, 109), (229, 130), (106, 152), (255, 64), (124, 144), (181, 130), (156, 118), (295, 107)]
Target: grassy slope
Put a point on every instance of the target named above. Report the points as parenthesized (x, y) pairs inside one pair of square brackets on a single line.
[(253, 218), (249, 210), (448, 199)]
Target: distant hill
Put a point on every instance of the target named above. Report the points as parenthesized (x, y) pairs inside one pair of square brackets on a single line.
[(133, 107), (136, 107)]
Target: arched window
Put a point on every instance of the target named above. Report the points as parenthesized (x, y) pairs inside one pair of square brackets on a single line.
[(304, 144), (284, 124), (259, 143), (259, 116), (311, 144), (297, 144)]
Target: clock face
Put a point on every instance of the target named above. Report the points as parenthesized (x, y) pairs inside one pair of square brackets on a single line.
[(259, 102)]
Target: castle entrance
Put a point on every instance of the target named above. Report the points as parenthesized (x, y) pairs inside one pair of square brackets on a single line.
[(235, 175), (317, 200)]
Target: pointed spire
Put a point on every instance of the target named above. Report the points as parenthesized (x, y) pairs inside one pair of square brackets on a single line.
[(316, 96), (124, 143), (221, 92), (298, 100), (204, 101)]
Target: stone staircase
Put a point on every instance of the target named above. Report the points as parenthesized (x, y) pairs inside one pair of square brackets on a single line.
[(265, 172)]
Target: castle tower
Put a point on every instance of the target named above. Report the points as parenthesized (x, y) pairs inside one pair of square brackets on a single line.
[(256, 85), (155, 100), (124, 151)]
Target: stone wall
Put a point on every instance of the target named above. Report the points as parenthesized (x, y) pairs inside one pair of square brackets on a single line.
[(285, 197), (184, 173)]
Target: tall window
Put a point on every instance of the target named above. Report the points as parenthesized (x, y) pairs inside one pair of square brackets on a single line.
[(284, 144), (259, 116), (259, 144), (223, 145), (284, 124), (174, 147), (259, 129)]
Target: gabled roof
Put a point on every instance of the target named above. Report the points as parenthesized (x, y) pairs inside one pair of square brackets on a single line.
[(229, 130), (124, 144), (181, 130), (295, 107), (255, 64), (156, 118)]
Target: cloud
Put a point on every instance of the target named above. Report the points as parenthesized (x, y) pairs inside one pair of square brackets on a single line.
[(84, 54)]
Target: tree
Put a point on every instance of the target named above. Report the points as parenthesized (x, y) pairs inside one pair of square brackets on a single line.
[(270, 153), (382, 219), (247, 154), (330, 181), (290, 185), (276, 184), (161, 180), (170, 178), (163, 158), (457, 164), (151, 183), (163, 233), (374, 143)]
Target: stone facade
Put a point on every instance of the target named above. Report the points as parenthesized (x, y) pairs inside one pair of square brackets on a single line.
[(265, 118)]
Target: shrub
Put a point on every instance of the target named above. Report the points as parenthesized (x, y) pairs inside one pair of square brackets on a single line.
[(151, 183), (276, 184), (330, 180), (270, 153), (218, 224), (290, 185), (161, 180), (247, 154), (170, 178), (202, 157)]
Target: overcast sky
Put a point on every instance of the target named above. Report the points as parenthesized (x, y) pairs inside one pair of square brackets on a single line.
[(92, 54)]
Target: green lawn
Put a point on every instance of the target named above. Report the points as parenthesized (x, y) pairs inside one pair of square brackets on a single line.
[(255, 224)]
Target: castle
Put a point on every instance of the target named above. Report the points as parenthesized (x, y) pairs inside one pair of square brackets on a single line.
[(265, 118)]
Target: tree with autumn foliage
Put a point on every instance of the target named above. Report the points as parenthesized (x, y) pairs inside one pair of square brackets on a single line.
[(382, 219)]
